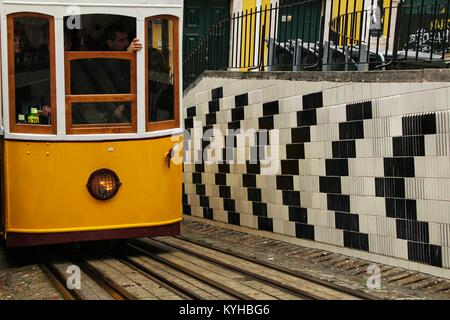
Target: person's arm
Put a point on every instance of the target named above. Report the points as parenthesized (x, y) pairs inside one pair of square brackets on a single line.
[(135, 45)]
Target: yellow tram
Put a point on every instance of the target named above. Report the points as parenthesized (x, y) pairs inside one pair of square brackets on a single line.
[(90, 120)]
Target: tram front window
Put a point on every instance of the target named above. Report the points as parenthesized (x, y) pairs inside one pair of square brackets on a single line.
[(100, 73), (161, 65), (32, 70)]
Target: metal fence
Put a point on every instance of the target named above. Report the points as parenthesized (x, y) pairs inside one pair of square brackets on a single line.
[(337, 35)]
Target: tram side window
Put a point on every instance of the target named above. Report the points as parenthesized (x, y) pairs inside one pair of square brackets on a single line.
[(162, 72), (32, 79), (100, 73)]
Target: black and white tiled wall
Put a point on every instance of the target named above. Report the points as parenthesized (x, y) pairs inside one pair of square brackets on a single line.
[(362, 166)]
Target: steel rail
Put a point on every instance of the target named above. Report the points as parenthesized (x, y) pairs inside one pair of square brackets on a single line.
[(217, 285), (267, 281), (299, 274)]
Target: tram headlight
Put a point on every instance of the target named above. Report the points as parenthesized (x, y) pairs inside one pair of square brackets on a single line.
[(103, 184)]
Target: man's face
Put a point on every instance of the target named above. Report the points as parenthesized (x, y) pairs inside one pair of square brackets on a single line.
[(120, 42), (17, 44)]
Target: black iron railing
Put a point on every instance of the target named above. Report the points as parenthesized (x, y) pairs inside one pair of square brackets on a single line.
[(338, 35)]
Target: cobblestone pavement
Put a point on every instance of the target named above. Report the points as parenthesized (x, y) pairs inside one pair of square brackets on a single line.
[(26, 283), (396, 283), (20, 279)]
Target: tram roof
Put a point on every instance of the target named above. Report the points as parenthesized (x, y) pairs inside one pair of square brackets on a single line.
[(94, 3), (60, 8)]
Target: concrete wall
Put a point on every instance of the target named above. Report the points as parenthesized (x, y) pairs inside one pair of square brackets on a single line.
[(356, 163)]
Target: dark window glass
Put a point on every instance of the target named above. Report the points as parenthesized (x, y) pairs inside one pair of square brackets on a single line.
[(100, 76), (160, 69), (98, 32), (101, 113), (32, 70)]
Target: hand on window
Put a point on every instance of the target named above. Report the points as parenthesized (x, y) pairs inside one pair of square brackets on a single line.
[(135, 45), (118, 113)]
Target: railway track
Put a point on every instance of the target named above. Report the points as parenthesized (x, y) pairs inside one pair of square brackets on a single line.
[(177, 268), (284, 279), (356, 293), (58, 278)]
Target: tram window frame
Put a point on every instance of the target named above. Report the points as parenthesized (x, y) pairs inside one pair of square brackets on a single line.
[(173, 123), (107, 128), (31, 128)]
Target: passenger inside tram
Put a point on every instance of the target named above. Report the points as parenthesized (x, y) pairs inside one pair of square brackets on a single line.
[(161, 70), (32, 71), (101, 75)]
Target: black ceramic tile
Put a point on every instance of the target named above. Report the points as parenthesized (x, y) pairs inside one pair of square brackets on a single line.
[(413, 230), (208, 213), (312, 101), (425, 253), (347, 221), (290, 167), (200, 189), (295, 151), (237, 114), (301, 134), (217, 93), (211, 119), (265, 224), (338, 202), (359, 111), (196, 177), (298, 214), (189, 123), (266, 123), (399, 167), (390, 187), (187, 209), (271, 108), (249, 180), (285, 182), (241, 100), (253, 168), (225, 192), (401, 208), (191, 112), (291, 198), (234, 125), (409, 146), (259, 209), (336, 167), (351, 130), (213, 106), (221, 179), (344, 149), (204, 201), (229, 205), (254, 194), (355, 240), (307, 118), (330, 185), (419, 124), (304, 231), (234, 218)]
